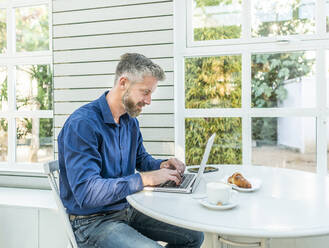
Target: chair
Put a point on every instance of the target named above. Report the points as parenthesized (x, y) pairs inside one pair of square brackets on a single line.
[(51, 168)]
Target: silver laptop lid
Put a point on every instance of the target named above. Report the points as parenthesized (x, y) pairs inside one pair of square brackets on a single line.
[(204, 161)]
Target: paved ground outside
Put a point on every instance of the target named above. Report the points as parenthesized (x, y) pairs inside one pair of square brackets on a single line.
[(283, 158)]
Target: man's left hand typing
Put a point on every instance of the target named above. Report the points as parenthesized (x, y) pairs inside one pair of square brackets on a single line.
[(174, 164)]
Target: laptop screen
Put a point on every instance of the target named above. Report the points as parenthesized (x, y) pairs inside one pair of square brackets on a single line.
[(204, 160)]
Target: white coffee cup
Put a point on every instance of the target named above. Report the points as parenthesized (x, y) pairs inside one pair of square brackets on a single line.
[(219, 193)]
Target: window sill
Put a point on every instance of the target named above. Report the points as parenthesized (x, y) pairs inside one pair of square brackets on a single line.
[(31, 198), (22, 170), (29, 177)]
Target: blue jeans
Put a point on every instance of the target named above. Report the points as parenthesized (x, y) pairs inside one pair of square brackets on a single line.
[(130, 228)]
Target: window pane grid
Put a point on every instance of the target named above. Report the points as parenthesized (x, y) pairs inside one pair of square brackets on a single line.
[(292, 51), (28, 118)]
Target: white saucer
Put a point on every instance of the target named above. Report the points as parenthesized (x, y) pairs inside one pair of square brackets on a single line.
[(255, 184), (204, 202)]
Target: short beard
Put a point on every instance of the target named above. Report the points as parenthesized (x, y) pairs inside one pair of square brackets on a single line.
[(130, 106)]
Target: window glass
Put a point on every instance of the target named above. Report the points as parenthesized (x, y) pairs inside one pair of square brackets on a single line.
[(283, 80), (216, 19), (3, 139), (34, 139), (227, 148), (3, 89), (3, 31), (282, 17), (34, 87), (213, 82), (32, 29), (285, 142)]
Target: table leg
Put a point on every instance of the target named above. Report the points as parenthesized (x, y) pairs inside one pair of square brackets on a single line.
[(263, 243)]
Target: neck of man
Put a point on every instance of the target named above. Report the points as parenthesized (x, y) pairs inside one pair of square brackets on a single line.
[(114, 100)]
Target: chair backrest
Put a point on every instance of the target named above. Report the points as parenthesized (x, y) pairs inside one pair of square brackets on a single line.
[(51, 168)]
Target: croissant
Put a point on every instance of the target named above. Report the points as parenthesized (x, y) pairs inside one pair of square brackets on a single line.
[(239, 180)]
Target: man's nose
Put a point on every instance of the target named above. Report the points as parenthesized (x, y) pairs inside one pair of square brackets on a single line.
[(148, 100)]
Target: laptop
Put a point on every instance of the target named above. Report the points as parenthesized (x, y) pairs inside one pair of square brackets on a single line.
[(189, 181)]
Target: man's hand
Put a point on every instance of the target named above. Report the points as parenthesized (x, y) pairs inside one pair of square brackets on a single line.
[(174, 164), (156, 177)]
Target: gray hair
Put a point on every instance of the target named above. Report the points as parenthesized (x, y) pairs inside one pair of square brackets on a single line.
[(136, 66)]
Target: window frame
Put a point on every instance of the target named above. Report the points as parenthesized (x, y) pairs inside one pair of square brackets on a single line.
[(185, 47), (10, 59)]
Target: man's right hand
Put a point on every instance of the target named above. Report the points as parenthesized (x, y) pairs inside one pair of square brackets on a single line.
[(152, 178)]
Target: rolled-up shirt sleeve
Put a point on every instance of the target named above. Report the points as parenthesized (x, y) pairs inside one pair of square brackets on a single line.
[(83, 168)]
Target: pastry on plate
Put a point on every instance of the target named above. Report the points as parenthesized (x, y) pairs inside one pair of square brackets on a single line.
[(239, 180)]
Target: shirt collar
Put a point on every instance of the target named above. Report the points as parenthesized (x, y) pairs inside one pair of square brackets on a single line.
[(106, 111)]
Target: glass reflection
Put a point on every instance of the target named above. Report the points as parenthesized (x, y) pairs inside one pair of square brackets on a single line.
[(283, 80), (34, 139), (227, 148), (284, 142), (213, 82), (3, 89), (3, 31), (3, 140), (32, 29), (33, 87), (216, 20), (282, 17)]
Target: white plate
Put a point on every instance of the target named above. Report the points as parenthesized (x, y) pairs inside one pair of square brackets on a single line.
[(233, 203), (255, 184)]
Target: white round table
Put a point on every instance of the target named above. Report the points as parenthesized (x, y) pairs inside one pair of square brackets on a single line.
[(289, 203)]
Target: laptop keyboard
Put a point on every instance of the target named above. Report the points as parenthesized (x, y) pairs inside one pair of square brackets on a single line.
[(186, 179)]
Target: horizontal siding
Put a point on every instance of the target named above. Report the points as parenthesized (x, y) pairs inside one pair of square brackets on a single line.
[(111, 27), (100, 67), (163, 92), (76, 5), (114, 40), (153, 148), (145, 120), (99, 81), (157, 107), (88, 39), (114, 13), (88, 55)]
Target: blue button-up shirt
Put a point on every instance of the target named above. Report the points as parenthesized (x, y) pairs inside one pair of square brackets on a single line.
[(98, 158)]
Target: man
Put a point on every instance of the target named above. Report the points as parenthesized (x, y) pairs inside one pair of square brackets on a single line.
[(99, 148)]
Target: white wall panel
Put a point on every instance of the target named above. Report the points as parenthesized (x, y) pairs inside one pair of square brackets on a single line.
[(111, 27), (101, 81), (19, 227), (51, 230), (160, 107), (164, 120), (65, 82), (64, 5), (154, 148), (160, 148), (100, 67), (154, 51), (88, 39), (163, 92), (145, 120), (114, 40), (119, 12)]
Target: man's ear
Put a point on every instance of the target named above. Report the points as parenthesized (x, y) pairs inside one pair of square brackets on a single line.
[(123, 82)]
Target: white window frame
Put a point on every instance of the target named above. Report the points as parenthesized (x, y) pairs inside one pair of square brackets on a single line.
[(185, 47), (11, 59)]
